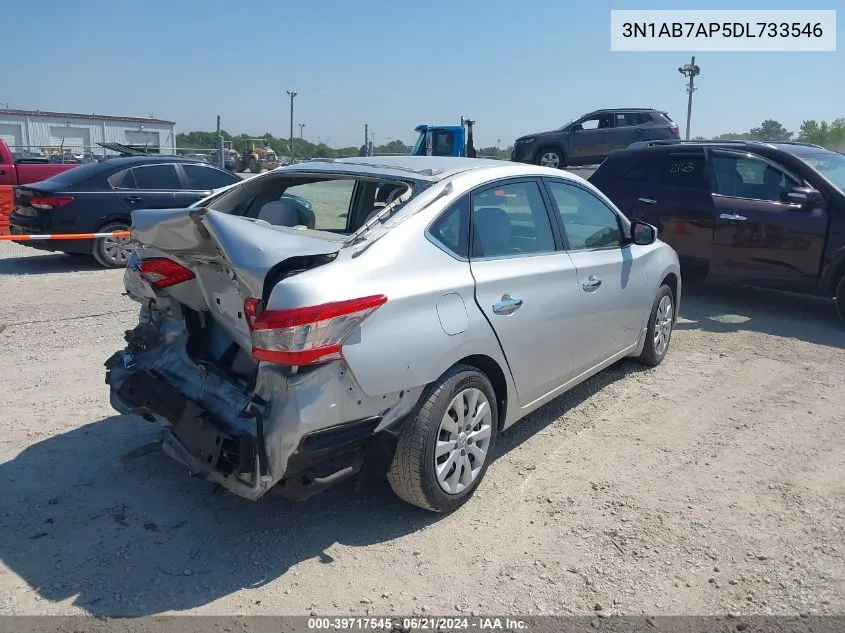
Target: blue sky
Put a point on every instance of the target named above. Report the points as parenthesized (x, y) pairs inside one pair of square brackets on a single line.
[(515, 66)]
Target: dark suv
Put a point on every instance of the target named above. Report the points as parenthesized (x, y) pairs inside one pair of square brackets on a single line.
[(764, 214), (591, 138)]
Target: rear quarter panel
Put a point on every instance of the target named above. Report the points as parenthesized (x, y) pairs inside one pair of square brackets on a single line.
[(403, 344)]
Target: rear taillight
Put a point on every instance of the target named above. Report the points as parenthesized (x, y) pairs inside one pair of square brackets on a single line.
[(306, 336), (163, 273), (674, 128), (49, 203)]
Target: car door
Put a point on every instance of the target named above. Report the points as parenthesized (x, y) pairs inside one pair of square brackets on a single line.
[(525, 285), (591, 139), (673, 193), (759, 237), (610, 272), (627, 128), (149, 187), (198, 181)]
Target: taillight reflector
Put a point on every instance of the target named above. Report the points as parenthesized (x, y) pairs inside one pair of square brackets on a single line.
[(306, 336), (161, 272), (49, 202)]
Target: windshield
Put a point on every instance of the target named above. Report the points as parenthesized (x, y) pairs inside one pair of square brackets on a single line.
[(830, 165), (419, 146), (76, 175)]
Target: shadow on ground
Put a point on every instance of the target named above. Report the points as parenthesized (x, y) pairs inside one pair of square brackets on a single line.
[(46, 264), (133, 537), (718, 308)]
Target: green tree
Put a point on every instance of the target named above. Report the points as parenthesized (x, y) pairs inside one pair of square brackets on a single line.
[(769, 131)]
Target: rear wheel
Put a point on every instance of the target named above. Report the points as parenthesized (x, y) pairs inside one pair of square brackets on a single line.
[(551, 157), (112, 252), (840, 297), (255, 167), (659, 331), (447, 443)]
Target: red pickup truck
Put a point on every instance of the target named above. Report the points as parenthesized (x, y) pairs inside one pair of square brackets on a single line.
[(21, 172), (26, 170)]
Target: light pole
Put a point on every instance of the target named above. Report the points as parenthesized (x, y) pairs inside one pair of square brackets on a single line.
[(372, 136), (301, 126), (291, 94), (690, 70)]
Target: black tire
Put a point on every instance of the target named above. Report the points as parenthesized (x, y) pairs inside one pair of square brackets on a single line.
[(653, 353), (103, 250), (840, 297), (412, 474), (255, 167), (550, 151)]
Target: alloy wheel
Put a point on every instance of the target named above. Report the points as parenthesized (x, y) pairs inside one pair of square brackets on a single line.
[(663, 324), (463, 440)]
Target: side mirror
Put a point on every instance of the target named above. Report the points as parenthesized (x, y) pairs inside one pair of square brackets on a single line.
[(806, 197), (642, 233)]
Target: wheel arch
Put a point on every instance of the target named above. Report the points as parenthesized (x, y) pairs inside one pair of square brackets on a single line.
[(490, 368)]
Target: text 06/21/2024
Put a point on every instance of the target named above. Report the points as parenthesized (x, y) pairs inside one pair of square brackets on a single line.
[(724, 30)]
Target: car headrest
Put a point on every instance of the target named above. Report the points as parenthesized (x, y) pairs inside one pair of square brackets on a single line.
[(493, 230), (281, 213)]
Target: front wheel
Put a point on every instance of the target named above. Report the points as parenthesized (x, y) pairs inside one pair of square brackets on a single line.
[(112, 252), (659, 331), (447, 443), (551, 157)]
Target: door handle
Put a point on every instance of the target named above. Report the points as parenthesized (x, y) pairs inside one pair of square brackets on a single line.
[(733, 217), (507, 305), (135, 198), (592, 284), (2, 172), (647, 200)]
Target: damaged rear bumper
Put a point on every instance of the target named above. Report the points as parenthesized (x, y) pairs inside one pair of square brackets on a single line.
[(248, 445)]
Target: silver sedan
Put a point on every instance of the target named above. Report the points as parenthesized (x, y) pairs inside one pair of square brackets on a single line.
[(299, 323)]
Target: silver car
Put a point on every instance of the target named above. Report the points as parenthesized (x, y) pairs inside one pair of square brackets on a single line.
[(296, 322)]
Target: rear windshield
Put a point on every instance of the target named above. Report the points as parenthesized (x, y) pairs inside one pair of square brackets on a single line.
[(322, 203), (77, 175)]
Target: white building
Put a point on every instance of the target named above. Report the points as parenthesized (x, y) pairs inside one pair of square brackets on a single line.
[(47, 132)]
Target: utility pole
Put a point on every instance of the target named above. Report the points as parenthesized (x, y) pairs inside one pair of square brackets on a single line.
[(221, 162), (366, 139), (291, 94), (372, 143), (690, 70)]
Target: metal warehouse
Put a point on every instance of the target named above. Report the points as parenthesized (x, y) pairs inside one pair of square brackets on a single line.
[(50, 132)]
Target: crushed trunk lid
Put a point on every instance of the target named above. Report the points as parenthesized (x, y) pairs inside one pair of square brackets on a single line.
[(230, 256)]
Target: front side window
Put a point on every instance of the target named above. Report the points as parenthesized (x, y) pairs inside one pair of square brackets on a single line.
[(587, 221), (747, 176)]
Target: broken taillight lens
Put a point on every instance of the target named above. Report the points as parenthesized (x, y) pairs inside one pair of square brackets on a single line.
[(48, 203), (306, 336), (161, 272)]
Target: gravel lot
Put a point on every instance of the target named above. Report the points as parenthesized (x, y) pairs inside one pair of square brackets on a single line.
[(712, 484)]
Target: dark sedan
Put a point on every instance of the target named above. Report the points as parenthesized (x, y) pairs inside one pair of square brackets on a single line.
[(100, 197)]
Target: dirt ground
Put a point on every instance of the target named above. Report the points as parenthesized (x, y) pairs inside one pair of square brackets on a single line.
[(712, 484)]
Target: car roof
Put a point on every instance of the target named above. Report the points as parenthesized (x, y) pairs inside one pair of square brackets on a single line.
[(426, 168), (129, 161)]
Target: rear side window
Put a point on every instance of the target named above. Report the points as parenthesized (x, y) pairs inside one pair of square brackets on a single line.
[(156, 177), (206, 178), (639, 172), (328, 200), (451, 229), (686, 171), (123, 180)]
